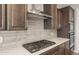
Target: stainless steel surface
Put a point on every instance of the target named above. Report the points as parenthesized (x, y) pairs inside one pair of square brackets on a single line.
[(36, 46), (39, 15)]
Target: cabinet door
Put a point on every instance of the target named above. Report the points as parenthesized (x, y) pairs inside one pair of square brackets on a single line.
[(51, 9), (58, 50), (54, 15), (64, 23), (53, 51), (16, 16), (62, 49), (2, 16)]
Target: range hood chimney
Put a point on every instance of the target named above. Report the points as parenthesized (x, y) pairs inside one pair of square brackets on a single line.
[(33, 8)]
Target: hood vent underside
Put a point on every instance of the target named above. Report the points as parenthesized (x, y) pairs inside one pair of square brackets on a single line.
[(38, 15)]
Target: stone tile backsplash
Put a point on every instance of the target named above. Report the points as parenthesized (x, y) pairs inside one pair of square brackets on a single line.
[(35, 31)]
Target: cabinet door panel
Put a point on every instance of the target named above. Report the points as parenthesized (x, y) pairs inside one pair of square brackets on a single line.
[(51, 9), (51, 51), (2, 16), (18, 15)]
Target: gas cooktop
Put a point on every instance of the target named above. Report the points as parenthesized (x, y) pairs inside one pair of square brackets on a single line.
[(38, 45)]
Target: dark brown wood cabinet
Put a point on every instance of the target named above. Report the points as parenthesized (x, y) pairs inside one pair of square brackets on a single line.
[(65, 27), (2, 17), (50, 9), (13, 16), (16, 16), (58, 50), (65, 16)]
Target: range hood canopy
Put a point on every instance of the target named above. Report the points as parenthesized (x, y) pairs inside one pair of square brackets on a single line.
[(37, 13)]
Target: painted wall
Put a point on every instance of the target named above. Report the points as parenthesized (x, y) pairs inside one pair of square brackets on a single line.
[(77, 30)]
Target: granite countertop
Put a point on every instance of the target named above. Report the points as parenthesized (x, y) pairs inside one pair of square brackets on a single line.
[(18, 49)]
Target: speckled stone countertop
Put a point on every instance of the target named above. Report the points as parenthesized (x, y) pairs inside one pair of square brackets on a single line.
[(18, 49)]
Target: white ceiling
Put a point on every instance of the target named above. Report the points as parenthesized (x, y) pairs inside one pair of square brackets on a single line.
[(74, 6)]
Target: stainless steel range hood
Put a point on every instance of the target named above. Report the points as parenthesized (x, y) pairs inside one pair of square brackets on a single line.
[(34, 13)]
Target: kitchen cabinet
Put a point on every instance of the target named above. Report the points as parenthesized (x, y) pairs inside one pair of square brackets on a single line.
[(16, 16), (2, 17), (50, 9), (65, 27), (59, 19), (58, 50)]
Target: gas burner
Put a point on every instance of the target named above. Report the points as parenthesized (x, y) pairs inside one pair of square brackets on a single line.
[(38, 45)]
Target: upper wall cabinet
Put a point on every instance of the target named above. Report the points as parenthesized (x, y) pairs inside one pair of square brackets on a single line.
[(50, 9), (2, 17), (16, 16)]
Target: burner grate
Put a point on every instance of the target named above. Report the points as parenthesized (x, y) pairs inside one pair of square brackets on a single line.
[(36, 46)]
